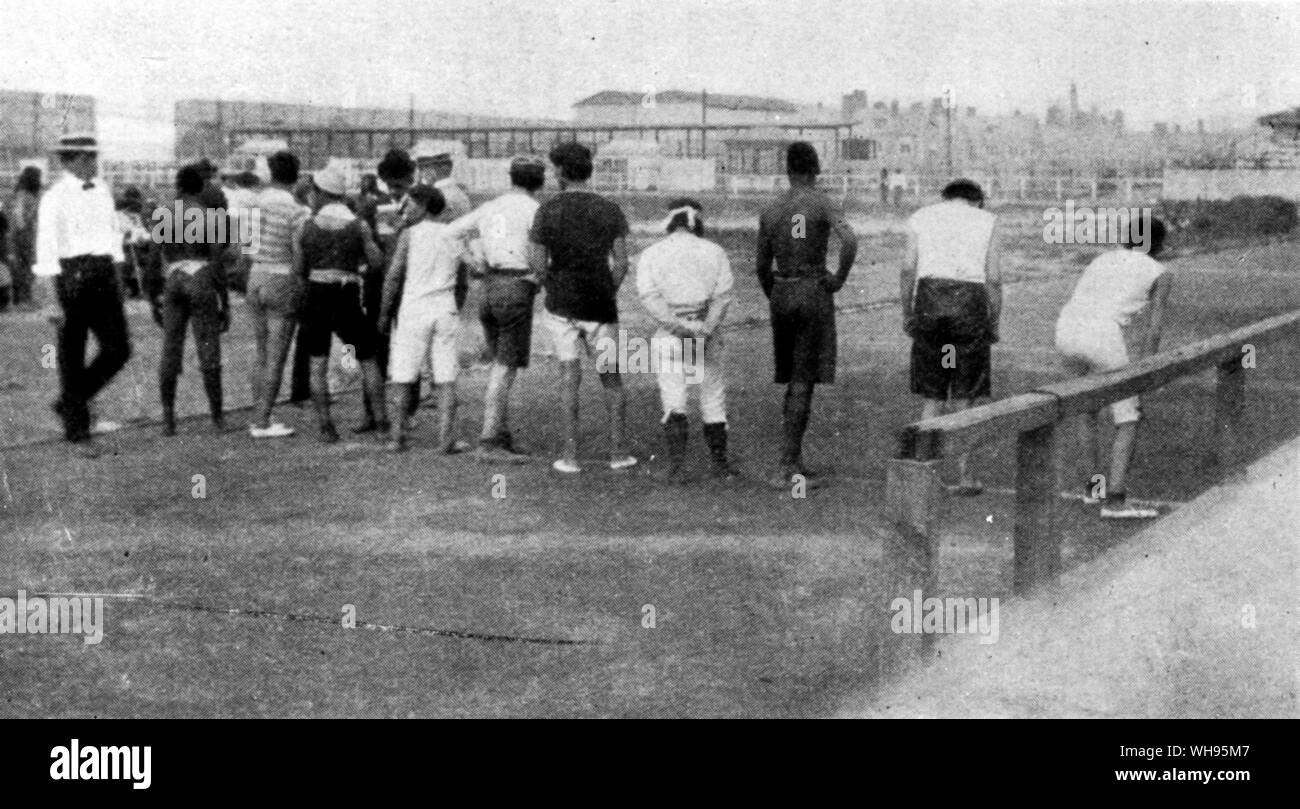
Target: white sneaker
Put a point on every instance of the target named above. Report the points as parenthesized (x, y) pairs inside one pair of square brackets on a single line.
[(625, 462), (566, 467), (1124, 510), (105, 426), (276, 430)]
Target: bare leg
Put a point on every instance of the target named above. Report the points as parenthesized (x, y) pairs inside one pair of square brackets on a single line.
[(447, 418), (280, 337), (616, 408), (570, 379), (404, 394), (1121, 455), (373, 379), (931, 408), (965, 479), (496, 402)]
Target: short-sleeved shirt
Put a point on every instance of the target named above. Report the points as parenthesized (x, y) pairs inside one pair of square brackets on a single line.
[(1115, 286), (578, 229), (502, 225), (797, 228), (279, 216), (952, 241)]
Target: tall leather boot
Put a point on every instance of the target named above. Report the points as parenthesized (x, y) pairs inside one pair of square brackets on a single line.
[(715, 435), (676, 434)]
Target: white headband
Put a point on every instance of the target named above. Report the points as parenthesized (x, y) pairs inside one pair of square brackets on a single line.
[(690, 212)]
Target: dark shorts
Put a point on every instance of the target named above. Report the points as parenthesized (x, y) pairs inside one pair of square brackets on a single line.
[(507, 317), (803, 331), (951, 341), (336, 309)]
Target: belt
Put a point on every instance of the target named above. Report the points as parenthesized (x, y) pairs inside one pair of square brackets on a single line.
[(513, 271), (791, 279), (331, 276), (691, 313), (189, 266), (272, 267), (79, 262)]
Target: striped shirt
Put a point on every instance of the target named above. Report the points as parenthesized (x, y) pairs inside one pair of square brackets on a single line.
[(280, 216)]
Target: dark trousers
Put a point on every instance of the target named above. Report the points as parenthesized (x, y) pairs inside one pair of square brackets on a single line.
[(22, 275), (300, 384), (190, 300), (91, 296)]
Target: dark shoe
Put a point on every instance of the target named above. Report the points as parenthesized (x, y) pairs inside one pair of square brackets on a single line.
[(365, 426), (507, 442), (715, 435), (328, 433), (676, 434)]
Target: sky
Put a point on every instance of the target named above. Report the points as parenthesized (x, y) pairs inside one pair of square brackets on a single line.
[(1158, 60)]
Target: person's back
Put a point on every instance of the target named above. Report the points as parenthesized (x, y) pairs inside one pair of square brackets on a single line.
[(688, 270), (333, 240), (279, 215), (579, 229), (1115, 286), (430, 263), (952, 240), (798, 228)]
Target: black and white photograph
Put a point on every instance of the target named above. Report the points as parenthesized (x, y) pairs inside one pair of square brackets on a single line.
[(651, 359)]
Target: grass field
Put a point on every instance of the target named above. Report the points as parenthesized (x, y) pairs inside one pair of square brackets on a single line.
[(532, 604)]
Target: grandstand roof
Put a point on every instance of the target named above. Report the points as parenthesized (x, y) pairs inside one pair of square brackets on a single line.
[(1287, 119), (721, 101)]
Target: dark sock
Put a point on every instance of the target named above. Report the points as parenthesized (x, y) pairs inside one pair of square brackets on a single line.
[(798, 404), (212, 386)]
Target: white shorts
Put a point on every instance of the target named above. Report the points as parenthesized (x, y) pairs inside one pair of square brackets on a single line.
[(1094, 347), (424, 331), (572, 337), (687, 369)]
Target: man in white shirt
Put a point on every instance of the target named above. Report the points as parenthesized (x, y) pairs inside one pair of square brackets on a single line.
[(422, 274), (437, 168), (1090, 334), (685, 283), (509, 289), (79, 245), (951, 294)]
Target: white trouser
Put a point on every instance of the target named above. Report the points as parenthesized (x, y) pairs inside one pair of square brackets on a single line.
[(683, 366)]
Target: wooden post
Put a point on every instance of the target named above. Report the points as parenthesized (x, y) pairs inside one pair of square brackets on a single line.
[(911, 552), (1037, 543), (1229, 409)]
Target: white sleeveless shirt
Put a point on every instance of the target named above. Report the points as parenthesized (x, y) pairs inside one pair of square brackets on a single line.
[(952, 240)]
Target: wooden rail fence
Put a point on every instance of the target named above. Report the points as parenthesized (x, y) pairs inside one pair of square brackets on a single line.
[(914, 489)]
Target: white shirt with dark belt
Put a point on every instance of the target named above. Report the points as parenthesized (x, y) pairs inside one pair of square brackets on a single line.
[(502, 225), (76, 221), (681, 275), (952, 241)]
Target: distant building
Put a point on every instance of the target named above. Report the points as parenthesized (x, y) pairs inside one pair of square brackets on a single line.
[(204, 127), (31, 123), (853, 106), (676, 107)]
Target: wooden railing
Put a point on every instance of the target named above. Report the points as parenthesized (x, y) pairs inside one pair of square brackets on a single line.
[(914, 489)]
